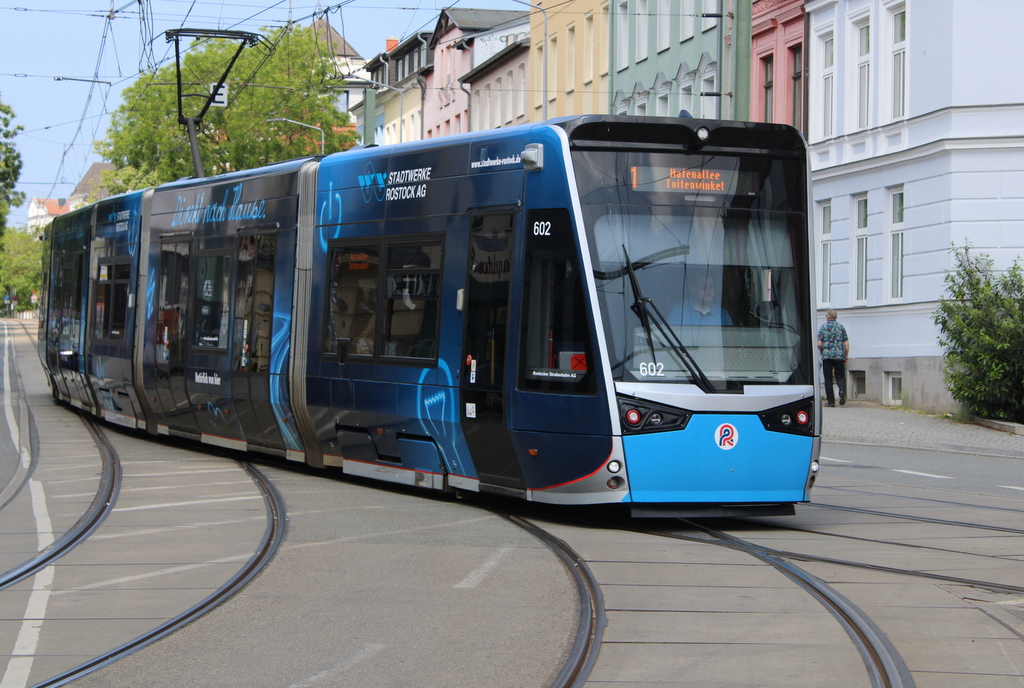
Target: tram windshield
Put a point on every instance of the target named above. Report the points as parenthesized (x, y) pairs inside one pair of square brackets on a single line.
[(701, 266)]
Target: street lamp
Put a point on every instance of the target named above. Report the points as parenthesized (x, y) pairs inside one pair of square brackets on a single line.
[(351, 80), (309, 126)]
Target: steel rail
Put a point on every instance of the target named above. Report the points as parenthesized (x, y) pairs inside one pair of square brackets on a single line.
[(101, 506), (592, 621), (272, 537), (885, 667)]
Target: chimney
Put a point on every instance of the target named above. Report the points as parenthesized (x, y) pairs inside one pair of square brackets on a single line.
[(391, 44)]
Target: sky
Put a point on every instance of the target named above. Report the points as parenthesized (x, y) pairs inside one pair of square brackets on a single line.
[(64, 63)]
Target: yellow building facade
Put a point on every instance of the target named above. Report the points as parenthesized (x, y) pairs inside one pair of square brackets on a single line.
[(573, 56)]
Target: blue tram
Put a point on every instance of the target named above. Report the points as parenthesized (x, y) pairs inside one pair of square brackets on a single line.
[(593, 310)]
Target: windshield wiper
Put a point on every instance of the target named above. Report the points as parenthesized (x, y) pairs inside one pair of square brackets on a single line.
[(648, 312)]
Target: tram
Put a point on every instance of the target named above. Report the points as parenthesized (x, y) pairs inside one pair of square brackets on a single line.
[(589, 310)]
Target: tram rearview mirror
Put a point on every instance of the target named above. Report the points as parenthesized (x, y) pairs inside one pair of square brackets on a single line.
[(342, 347), (533, 157)]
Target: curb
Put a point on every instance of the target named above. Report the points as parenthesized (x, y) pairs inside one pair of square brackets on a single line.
[(1004, 425)]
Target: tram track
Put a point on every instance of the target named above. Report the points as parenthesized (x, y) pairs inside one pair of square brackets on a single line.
[(591, 614), (95, 514), (271, 541)]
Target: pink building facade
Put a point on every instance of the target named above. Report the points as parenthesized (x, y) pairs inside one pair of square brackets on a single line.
[(463, 38), (778, 89)]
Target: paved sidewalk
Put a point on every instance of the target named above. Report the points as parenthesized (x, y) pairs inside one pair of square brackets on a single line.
[(860, 422)]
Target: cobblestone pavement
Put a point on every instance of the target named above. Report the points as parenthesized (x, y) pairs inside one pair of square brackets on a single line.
[(861, 422)]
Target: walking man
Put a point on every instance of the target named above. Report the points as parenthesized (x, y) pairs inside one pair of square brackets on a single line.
[(834, 346)]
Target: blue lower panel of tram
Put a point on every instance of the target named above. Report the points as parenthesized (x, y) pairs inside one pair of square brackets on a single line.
[(718, 458)]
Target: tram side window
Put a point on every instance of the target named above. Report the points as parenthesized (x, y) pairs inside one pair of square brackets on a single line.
[(173, 295), (212, 293), (111, 310), (68, 294), (352, 299), (556, 351), (413, 283)]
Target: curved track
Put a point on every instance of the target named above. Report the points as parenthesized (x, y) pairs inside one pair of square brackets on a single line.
[(106, 495), (592, 619), (268, 546)]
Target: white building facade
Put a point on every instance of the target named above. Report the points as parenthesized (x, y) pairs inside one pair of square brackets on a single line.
[(916, 126)]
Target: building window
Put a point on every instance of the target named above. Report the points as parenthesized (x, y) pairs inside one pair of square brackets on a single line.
[(712, 11), (861, 204), (686, 98), (796, 56), (643, 22), (709, 104), (499, 105), (863, 75), (896, 253), (521, 106), (663, 24), (661, 102), (899, 64), (552, 68), (862, 268), (767, 70), (622, 34), (509, 115), (826, 252), (687, 14), (588, 48), (828, 86), (570, 58)]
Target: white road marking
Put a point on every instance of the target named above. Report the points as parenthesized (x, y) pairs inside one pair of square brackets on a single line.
[(170, 505), (925, 475), (20, 664), (8, 403), (474, 579), (1012, 487), (346, 663), (825, 458)]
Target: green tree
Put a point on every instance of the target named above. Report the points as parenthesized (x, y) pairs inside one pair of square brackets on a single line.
[(981, 324), (21, 265), (292, 80), (10, 166)]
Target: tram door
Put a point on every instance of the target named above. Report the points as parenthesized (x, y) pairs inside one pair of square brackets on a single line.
[(253, 326), (172, 335), (489, 278)]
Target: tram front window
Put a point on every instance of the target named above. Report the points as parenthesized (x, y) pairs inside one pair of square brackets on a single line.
[(701, 285)]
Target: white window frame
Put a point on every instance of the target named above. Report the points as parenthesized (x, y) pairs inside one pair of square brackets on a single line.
[(861, 215), (898, 63), (589, 46), (862, 41), (709, 84), (825, 214), (710, 7), (661, 97), (643, 30), (687, 19), (897, 245), (570, 58), (621, 35), (828, 85), (664, 25)]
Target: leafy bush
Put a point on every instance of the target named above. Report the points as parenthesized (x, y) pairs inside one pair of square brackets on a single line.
[(981, 327)]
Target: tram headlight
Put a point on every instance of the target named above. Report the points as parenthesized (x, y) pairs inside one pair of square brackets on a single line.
[(795, 418), (645, 416), (703, 133), (614, 466), (814, 466)]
